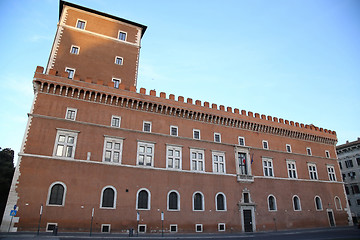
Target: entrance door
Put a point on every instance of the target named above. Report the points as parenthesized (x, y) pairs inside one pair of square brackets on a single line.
[(331, 218), (247, 220)]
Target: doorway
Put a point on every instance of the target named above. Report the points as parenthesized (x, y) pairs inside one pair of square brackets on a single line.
[(247, 217), (331, 217)]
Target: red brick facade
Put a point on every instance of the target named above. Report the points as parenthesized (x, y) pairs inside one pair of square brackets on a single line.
[(89, 145)]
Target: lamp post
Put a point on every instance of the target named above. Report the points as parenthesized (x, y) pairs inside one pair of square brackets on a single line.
[(92, 217), (162, 224), (41, 210)]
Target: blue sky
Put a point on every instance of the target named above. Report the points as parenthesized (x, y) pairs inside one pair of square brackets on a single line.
[(291, 59)]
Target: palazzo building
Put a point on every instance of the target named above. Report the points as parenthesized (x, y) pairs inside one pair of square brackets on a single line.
[(96, 148)]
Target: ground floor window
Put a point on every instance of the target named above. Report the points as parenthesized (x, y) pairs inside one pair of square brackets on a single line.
[(105, 228), (51, 226), (173, 228), (142, 228), (198, 227), (221, 227)]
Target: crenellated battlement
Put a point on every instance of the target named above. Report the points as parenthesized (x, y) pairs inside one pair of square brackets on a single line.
[(214, 110)]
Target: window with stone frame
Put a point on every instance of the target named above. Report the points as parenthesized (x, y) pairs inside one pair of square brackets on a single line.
[(112, 150), (197, 158), (174, 157), (145, 154), (65, 143)]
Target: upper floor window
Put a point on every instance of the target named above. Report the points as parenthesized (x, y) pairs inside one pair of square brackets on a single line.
[(173, 201), (198, 201), (272, 203), (358, 161), (173, 130), (349, 163), (173, 157), (308, 151), (288, 148), (112, 150), (327, 154), (220, 202), (118, 60), (265, 144), (115, 121), (116, 82), (65, 143), (71, 114), (143, 199), (318, 204), (145, 154), (217, 137), (331, 173), (108, 197), (122, 36), (312, 171), (291, 167), (243, 163), (296, 203), (80, 24), (196, 134), (71, 72), (56, 194), (146, 126), (74, 50), (241, 141), (197, 160), (268, 167), (218, 162)]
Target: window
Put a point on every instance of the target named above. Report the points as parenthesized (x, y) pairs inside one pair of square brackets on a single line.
[(221, 227), (74, 50), (358, 161), (146, 126), (272, 203), (358, 201), (105, 228), (71, 72), (268, 167), (50, 227), (198, 201), (217, 137), (142, 228), (349, 163), (337, 203), (173, 130), (308, 151), (116, 82), (198, 227), (318, 204), (173, 157), (65, 143), (347, 190), (296, 203), (196, 134), (112, 150), (312, 171), (343, 176), (355, 189), (241, 141), (243, 164), (122, 36), (145, 154), (115, 121), (331, 173), (340, 165), (327, 153), (108, 197), (118, 60), (352, 175), (173, 201), (143, 199), (288, 148), (220, 201), (218, 162), (265, 144), (173, 228), (246, 197), (197, 160), (56, 196), (71, 114), (291, 166), (80, 24)]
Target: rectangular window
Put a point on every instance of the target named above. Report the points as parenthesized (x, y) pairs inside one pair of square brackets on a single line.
[(312, 171), (198, 227), (288, 148), (112, 150), (217, 137), (331, 173), (71, 114), (197, 157), (65, 143), (327, 154), (308, 151), (50, 227), (221, 227), (352, 175), (358, 161), (349, 163), (74, 50), (173, 228), (173, 130), (340, 165), (116, 82), (243, 164), (291, 167), (268, 167), (241, 141), (115, 121), (173, 155), (196, 134), (105, 228), (122, 36), (80, 24), (71, 72), (265, 144), (146, 126), (145, 154), (355, 189), (218, 162), (118, 60)]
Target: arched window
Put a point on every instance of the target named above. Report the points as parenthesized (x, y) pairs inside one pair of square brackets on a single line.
[(57, 193), (318, 203), (296, 203), (108, 197), (220, 201), (143, 199), (337, 203), (198, 201), (173, 201), (272, 203)]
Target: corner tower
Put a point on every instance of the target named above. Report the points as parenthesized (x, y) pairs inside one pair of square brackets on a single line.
[(96, 45)]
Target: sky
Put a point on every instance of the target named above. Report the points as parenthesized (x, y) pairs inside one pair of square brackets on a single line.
[(292, 59)]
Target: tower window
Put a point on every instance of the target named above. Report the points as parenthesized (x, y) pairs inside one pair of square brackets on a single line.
[(119, 60), (80, 24), (122, 36)]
